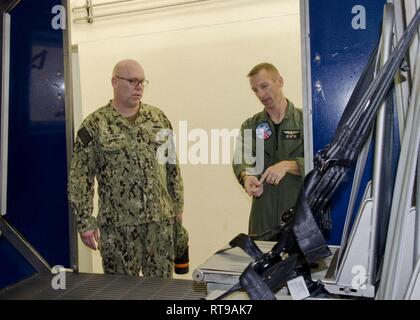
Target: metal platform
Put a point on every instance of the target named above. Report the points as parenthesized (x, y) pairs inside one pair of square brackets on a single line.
[(86, 286), (222, 270)]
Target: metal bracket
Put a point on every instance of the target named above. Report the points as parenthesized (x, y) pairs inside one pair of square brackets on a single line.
[(24, 247), (339, 278), (89, 11)]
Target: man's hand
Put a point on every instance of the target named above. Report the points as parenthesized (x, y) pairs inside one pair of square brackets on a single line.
[(275, 173), (253, 187), (90, 238)]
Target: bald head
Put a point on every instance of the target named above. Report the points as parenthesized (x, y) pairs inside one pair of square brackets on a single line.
[(125, 65)]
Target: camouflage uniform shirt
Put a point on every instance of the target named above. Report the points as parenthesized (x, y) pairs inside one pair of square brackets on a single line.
[(133, 187)]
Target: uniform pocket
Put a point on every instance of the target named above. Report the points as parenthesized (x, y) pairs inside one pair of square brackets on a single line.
[(114, 156), (294, 148)]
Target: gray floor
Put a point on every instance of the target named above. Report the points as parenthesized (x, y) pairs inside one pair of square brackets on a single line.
[(84, 286)]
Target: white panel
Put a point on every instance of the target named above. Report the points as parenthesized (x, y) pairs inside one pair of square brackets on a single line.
[(413, 291), (405, 268)]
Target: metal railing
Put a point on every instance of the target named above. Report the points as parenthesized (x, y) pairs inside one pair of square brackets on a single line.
[(90, 16)]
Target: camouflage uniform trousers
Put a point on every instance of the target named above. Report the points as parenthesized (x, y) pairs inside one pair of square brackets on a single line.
[(147, 247)]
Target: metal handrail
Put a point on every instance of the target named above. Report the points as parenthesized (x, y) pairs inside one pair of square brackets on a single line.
[(87, 6), (89, 17)]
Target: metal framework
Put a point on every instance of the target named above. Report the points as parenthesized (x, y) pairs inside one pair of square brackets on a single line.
[(396, 269), (400, 274), (5, 7), (383, 141), (24, 247), (68, 96), (306, 84), (6, 229), (401, 263), (361, 245), (4, 109)]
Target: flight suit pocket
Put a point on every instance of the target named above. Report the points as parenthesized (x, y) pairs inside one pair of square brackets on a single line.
[(294, 148), (292, 141), (296, 152)]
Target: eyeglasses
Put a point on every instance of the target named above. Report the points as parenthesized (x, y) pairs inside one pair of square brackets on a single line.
[(134, 82)]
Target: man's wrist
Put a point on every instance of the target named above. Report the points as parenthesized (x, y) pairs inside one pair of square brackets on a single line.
[(243, 175), (293, 167)]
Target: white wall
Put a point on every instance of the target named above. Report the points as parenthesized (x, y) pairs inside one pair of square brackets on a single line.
[(196, 58)]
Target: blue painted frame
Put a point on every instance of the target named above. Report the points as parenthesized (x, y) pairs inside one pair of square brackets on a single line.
[(339, 54), (37, 162)]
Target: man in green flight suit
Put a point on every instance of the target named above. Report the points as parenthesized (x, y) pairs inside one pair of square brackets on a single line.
[(140, 198), (279, 128)]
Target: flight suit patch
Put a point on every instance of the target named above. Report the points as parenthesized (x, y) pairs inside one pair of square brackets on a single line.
[(290, 134), (263, 131)]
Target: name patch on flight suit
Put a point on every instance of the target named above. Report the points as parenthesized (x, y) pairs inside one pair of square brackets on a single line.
[(290, 134), (263, 131)]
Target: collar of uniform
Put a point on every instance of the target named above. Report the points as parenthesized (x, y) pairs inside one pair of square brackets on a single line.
[(114, 115), (289, 113), (145, 113), (122, 120)]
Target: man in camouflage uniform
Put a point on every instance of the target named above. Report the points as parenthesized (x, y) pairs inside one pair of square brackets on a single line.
[(140, 198), (280, 128)]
